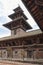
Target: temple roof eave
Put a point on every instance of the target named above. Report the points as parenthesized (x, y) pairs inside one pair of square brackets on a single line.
[(10, 24), (36, 10), (14, 14)]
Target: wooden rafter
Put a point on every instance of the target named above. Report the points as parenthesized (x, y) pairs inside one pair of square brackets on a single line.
[(35, 7)]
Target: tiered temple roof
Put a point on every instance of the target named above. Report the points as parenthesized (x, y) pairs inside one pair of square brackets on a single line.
[(18, 20)]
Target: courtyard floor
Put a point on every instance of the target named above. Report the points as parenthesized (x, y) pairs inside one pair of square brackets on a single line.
[(14, 63)]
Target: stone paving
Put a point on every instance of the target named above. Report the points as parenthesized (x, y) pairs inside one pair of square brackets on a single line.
[(14, 63)]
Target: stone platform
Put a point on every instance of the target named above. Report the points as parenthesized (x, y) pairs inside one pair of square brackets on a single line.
[(14, 63)]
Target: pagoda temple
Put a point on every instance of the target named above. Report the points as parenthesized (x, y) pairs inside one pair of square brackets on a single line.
[(21, 44), (18, 22)]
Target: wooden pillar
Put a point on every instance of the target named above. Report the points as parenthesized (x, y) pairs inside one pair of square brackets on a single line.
[(34, 54)]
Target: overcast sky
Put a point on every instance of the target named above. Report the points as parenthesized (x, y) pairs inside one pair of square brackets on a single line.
[(6, 8)]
